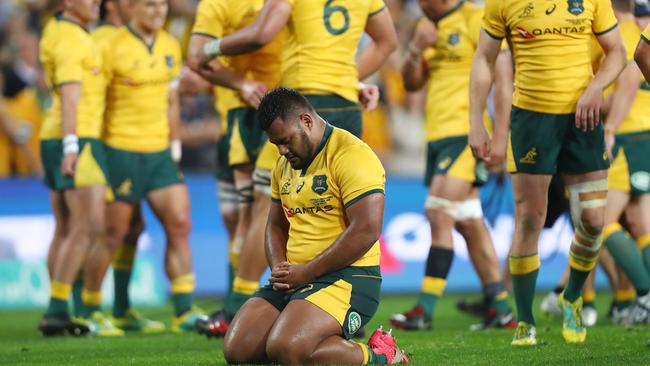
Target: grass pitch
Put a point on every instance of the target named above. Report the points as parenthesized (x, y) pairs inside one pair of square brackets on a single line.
[(449, 343)]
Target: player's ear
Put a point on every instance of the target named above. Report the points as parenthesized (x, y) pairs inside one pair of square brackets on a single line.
[(306, 120)]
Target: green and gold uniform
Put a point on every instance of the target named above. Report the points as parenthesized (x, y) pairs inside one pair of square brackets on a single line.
[(216, 19), (136, 131), (630, 170), (645, 36), (319, 57), (314, 200), (68, 55), (550, 42), (448, 64)]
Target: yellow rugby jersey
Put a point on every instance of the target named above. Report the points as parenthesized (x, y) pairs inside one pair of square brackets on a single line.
[(103, 32), (550, 41), (139, 79), (218, 18), (638, 118), (646, 34), (68, 55), (314, 199), (449, 63), (321, 44)]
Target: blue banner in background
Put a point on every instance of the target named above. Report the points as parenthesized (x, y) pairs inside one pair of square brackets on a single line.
[(26, 227)]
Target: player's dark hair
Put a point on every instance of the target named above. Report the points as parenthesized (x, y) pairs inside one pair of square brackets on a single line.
[(284, 103), (102, 10), (623, 5)]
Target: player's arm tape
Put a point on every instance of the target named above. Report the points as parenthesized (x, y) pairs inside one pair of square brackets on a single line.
[(213, 48), (176, 149), (70, 144)]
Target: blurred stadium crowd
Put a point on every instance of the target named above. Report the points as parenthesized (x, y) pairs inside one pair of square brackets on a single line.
[(394, 130)]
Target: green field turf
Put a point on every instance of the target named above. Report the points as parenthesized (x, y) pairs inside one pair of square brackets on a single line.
[(450, 343)]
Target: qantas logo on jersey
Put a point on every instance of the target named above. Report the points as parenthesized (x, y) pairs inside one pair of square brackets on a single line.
[(524, 33), (544, 31), (293, 211)]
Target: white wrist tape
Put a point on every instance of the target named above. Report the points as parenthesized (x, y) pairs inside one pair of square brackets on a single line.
[(70, 144), (213, 48), (176, 149)]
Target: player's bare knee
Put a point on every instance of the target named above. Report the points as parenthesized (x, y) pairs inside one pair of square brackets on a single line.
[(531, 220), (117, 231), (235, 352), (286, 350), (178, 224), (466, 227)]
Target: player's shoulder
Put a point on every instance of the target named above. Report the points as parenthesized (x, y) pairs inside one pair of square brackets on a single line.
[(103, 32), (63, 35), (469, 12), (345, 145), (66, 30), (167, 39), (630, 28), (470, 8)]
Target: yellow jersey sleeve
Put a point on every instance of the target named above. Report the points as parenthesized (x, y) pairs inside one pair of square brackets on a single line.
[(210, 18), (604, 19), (645, 36), (275, 178), (69, 58), (474, 26), (376, 6), (630, 34), (493, 19), (355, 180), (637, 116)]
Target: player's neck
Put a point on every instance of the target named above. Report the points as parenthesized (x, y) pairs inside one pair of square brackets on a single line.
[(71, 16), (115, 20), (147, 34), (446, 9), (623, 16)]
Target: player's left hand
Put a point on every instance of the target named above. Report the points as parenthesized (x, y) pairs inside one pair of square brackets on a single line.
[(286, 277), (480, 143), (588, 108), (368, 96)]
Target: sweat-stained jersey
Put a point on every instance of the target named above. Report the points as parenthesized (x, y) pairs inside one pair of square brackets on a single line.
[(322, 40), (139, 79), (314, 199), (449, 63), (550, 42), (218, 18), (68, 55)]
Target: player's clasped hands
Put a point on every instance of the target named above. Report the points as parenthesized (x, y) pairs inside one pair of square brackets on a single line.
[(479, 142), (286, 276)]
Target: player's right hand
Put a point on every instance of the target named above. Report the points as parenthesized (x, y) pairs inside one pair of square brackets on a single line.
[(425, 35), (368, 96), (252, 92), (69, 164), (588, 108), (479, 142), (498, 146)]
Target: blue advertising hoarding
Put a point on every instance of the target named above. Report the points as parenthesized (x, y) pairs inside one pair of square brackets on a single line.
[(26, 227)]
